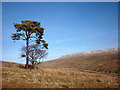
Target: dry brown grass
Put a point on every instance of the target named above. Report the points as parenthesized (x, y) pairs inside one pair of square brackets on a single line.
[(15, 77), (99, 63)]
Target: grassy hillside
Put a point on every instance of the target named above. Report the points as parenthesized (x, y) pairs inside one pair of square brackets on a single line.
[(97, 62), (16, 77)]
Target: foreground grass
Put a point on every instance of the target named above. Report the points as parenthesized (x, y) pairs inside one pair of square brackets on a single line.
[(15, 77)]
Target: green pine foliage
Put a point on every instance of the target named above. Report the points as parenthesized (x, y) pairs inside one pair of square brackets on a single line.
[(31, 31)]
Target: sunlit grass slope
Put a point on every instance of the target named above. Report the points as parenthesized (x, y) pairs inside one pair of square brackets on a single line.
[(107, 63), (16, 77)]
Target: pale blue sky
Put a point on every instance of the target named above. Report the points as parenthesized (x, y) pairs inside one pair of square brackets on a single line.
[(69, 27)]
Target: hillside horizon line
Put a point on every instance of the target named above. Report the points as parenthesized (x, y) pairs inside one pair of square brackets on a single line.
[(89, 52)]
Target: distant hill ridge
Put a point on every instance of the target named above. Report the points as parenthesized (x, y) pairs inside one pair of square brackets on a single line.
[(104, 60), (93, 52)]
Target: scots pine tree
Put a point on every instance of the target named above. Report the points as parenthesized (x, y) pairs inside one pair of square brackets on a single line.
[(30, 32)]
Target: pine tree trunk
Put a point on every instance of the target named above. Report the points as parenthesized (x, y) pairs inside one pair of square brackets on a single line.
[(27, 58)]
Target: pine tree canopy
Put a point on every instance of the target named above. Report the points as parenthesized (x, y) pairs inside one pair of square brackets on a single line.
[(31, 31)]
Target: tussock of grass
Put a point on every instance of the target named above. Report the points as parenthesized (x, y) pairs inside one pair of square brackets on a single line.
[(16, 77)]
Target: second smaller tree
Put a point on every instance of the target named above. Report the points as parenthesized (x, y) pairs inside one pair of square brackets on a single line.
[(36, 54)]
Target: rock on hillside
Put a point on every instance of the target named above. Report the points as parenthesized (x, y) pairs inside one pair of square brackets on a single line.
[(93, 52)]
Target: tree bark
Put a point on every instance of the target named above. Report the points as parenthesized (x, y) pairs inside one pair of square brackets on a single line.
[(27, 58)]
